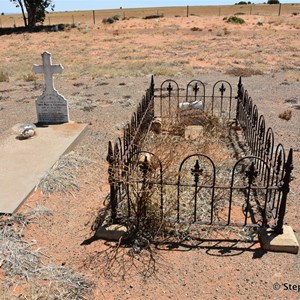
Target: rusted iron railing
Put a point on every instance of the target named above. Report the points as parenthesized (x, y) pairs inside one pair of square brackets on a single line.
[(258, 184)]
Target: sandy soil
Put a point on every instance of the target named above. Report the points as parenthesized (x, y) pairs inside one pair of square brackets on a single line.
[(210, 267)]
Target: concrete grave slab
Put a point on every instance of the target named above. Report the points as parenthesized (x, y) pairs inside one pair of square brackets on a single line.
[(23, 162), (285, 242)]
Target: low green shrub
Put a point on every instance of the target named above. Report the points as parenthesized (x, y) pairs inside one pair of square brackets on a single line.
[(235, 20), (111, 20)]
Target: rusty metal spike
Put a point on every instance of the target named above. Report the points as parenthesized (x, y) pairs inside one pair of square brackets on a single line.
[(145, 167), (110, 154), (170, 88), (196, 171), (222, 89), (251, 173)]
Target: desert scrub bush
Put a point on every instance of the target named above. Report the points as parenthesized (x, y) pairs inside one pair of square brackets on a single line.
[(153, 17), (235, 20), (286, 115), (196, 29), (111, 20), (4, 77), (243, 3), (108, 21)]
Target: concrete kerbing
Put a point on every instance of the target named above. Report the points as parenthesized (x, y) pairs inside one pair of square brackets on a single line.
[(286, 242)]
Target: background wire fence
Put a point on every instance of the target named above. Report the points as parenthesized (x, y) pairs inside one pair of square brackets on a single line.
[(95, 17)]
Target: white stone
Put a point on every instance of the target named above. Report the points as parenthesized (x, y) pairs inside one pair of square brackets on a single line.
[(191, 105), (52, 108)]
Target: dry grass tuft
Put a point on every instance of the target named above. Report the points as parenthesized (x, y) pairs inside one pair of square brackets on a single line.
[(4, 77), (196, 29), (22, 262), (30, 77), (62, 176), (286, 115), (244, 72)]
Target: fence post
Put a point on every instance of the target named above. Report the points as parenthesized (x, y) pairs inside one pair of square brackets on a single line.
[(239, 97), (279, 9), (187, 10), (111, 180), (94, 17), (152, 86), (285, 188)]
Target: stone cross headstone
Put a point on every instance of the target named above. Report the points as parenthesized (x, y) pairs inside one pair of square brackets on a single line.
[(52, 108)]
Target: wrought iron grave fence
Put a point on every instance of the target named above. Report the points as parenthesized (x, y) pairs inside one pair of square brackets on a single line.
[(255, 193)]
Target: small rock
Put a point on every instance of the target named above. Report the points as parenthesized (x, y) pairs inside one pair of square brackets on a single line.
[(111, 233), (120, 126)]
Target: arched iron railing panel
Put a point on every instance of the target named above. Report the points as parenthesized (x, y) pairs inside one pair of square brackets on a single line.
[(169, 99), (245, 181), (203, 179), (222, 99), (195, 91)]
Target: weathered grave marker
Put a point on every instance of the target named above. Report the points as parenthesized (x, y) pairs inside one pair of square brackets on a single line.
[(52, 108)]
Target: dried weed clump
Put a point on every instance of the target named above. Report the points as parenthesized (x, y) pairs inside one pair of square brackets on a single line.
[(4, 77), (286, 115), (235, 20), (111, 20), (26, 265), (30, 77), (169, 149), (62, 176), (243, 72)]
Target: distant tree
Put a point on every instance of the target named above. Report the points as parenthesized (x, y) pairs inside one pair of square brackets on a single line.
[(273, 2), (36, 10)]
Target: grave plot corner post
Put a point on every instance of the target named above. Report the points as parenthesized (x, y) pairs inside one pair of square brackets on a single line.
[(152, 86), (285, 188), (238, 98)]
